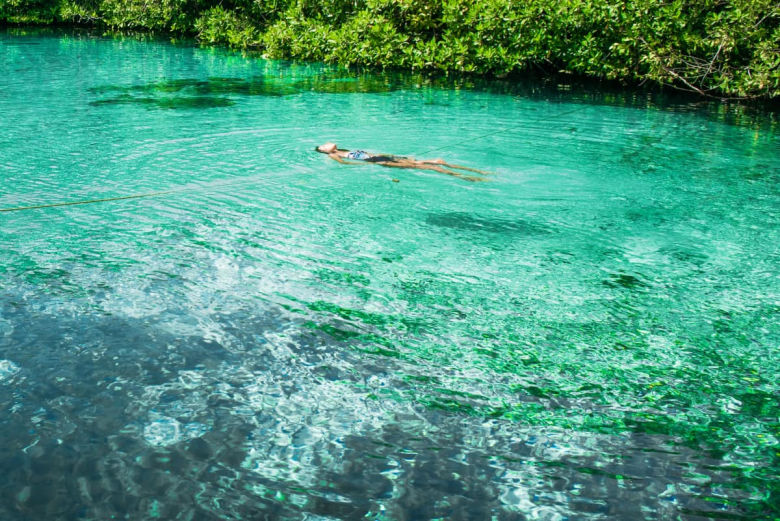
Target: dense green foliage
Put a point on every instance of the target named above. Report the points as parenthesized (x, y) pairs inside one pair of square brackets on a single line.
[(724, 48)]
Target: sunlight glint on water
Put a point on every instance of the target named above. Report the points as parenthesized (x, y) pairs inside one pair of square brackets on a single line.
[(592, 334)]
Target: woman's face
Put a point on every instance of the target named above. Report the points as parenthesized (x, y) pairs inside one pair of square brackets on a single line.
[(327, 148)]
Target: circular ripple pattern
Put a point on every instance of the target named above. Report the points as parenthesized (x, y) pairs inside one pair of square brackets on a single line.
[(591, 334)]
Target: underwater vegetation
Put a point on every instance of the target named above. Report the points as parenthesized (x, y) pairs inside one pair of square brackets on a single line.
[(169, 102), (180, 93), (461, 221), (190, 93)]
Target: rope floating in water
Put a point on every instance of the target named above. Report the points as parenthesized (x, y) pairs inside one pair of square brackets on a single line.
[(186, 188), (89, 201)]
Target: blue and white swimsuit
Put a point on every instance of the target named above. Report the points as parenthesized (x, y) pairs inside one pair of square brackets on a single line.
[(358, 155)]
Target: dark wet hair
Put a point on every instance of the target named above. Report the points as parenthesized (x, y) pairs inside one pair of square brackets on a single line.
[(317, 149)]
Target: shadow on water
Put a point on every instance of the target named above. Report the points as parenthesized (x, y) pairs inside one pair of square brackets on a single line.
[(462, 221), (625, 280)]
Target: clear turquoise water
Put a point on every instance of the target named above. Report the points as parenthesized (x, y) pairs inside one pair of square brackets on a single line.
[(592, 334)]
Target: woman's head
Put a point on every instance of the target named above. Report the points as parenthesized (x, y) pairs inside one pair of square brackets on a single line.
[(327, 148)]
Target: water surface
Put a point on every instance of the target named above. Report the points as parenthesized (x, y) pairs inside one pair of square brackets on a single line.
[(592, 334)]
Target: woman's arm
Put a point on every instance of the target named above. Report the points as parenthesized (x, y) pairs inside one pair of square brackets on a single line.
[(340, 159)]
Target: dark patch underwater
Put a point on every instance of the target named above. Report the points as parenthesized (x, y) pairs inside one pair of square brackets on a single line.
[(473, 223), (168, 102)]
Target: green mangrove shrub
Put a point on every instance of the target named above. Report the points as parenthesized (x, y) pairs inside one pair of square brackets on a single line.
[(220, 26), (719, 48), (29, 11)]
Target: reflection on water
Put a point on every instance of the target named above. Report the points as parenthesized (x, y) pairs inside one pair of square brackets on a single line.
[(589, 335)]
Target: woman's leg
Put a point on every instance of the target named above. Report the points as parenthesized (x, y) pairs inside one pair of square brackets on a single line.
[(437, 168), (459, 167), (420, 165)]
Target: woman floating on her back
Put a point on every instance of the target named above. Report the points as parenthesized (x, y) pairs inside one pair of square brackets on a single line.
[(348, 156)]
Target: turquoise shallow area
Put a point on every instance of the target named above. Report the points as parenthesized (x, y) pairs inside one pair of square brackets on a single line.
[(590, 334)]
